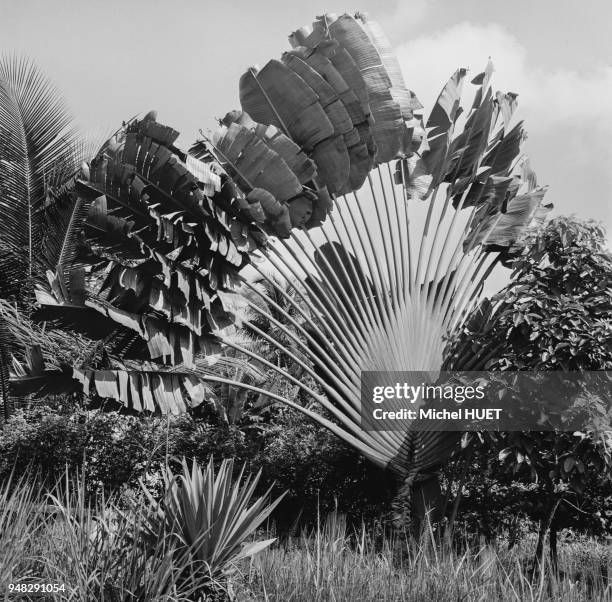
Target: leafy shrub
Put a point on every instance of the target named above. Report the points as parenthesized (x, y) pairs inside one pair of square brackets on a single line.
[(320, 474), (556, 314), (116, 451), (211, 516), (498, 502)]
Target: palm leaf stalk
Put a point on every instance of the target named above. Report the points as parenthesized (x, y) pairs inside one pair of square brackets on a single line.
[(374, 289)]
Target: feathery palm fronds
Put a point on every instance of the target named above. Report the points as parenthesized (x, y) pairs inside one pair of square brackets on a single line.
[(37, 149)]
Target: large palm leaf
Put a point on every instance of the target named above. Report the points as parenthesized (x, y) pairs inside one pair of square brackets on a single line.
[(161, 238)]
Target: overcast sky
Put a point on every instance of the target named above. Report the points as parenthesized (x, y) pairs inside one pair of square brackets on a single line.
[(113, 59)]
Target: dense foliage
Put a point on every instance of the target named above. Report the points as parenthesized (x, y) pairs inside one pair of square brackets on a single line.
[(132, 255), (318, 472), (498, 501), (556, 314)]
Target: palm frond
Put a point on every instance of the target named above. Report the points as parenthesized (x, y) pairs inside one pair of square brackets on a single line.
[(165, 241), (37, 142), (149, 387), (59, 348), (4, 369), (65, 209)]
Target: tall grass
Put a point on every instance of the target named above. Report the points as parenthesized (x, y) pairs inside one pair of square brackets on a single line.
[(331, 565), (100, 552)]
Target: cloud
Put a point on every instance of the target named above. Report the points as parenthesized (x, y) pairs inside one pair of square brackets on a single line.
[(546, 98), (566, 111), (405, 17)]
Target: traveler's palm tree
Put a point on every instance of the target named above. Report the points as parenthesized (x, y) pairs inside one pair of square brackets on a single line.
[(325, 174)]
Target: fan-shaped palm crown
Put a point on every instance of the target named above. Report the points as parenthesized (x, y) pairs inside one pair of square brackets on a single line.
[(387, 227)]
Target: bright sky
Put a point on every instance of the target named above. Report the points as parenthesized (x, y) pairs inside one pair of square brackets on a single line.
[(113, 59)]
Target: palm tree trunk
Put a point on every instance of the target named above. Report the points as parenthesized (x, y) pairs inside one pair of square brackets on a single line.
[(4, 382), (419, 499)]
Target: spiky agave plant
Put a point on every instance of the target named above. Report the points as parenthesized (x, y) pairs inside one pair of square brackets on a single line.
[(212, 516), (328, 136)]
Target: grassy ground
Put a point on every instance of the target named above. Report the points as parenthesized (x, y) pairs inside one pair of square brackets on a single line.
[(96, 552), (327, 565)]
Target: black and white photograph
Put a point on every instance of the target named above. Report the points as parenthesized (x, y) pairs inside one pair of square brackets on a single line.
[(305, 301)]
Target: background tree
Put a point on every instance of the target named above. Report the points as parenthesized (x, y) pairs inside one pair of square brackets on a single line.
[(556, 314)]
